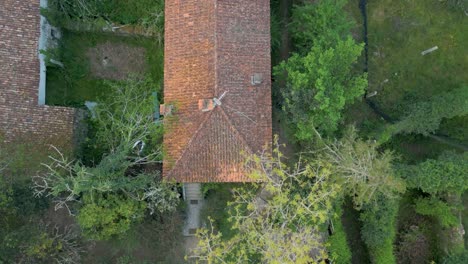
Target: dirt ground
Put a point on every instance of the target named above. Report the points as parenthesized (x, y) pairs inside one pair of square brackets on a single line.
[(115, 61)]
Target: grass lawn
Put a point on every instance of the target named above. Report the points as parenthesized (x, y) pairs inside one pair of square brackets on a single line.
[(398, 31), (90, 59)]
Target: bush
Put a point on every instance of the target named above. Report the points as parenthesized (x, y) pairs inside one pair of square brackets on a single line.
[(438, 209), (338, 245), (104, 217), (461, 258), (379, 229), (146, 13)]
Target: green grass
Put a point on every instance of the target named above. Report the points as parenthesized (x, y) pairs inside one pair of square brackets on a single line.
[(398, 31), (74, 84)]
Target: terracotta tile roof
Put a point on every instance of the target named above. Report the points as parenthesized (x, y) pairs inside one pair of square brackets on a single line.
[(20, 115), (214, 48)]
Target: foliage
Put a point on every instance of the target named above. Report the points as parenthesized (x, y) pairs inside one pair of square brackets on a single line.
[(68, 181), (217, 196), (75, 82), (379, 229), (363, 171), (438, 209), (280, 227), (321, 23), (340, 252), (425, 117), (276, 25), (460, 258), (146, 13), (122, 119), (457, 5), (319, 85), (446, 174), (104, 216), (36, 242), (127, 115), (319, 78)]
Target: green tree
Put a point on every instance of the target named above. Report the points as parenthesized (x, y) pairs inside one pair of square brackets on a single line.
[(123, 120), (104, 216), (436, 208), (319, 85), (319, 23), (447, 174), (445, 179), (281, 224), (126, 115), (379, 229), (425, 117)]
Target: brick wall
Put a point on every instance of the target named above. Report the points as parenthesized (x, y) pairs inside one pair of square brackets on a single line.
[(20, 114)]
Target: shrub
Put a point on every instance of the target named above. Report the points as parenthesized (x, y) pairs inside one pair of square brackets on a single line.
[(103, 217), (338, 245), (379, 229), (437, 208)]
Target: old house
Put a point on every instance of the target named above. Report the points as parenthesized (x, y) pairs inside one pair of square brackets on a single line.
[(23, 113), (217, 81)]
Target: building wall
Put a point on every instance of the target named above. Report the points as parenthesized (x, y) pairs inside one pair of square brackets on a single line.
[(20, 114)]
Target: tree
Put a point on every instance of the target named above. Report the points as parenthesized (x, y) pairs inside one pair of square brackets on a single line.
[(106, 215), (445, 179), (119, 183), (447, 174), (425, 117), (319, 23), (319, 85), (42, 243), (126, 115), (379, 229), (367, 175), (363, 171), (281, 224)]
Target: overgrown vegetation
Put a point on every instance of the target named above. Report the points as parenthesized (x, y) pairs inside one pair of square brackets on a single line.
[(85, 57)]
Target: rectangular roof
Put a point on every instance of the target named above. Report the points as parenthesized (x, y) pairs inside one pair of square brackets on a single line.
[(216, 49), (21, 117)]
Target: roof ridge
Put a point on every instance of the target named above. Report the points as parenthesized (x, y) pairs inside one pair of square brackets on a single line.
[(191, 139), (234, 129)]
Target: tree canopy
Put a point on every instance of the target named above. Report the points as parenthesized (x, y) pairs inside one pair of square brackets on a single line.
[(282, 223), (448, 173), (425, 117), (320, 79)]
